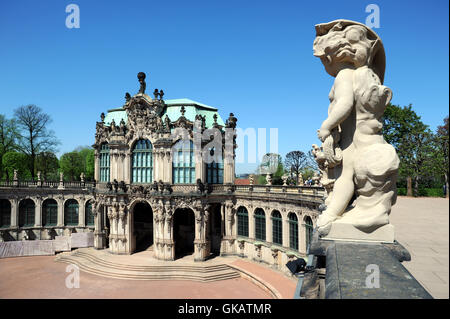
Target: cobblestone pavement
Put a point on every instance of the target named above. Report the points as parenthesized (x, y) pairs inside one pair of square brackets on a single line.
[(422, 227)]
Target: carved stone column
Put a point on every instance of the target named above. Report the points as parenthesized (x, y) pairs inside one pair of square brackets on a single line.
[(38, 212), (168, 167), (269, 225), (168, 241), (81, 213), (60, 217), (14, 213), (96, 166), (99, 235), (285, 229), (251, 223), (200, 244)]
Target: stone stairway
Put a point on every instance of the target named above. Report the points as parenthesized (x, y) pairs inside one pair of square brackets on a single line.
[(93, 262)]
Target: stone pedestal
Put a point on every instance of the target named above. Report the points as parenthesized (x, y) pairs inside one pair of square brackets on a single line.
[(359, 270), (347, 232)]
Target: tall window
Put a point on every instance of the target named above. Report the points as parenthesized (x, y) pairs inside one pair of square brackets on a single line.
[(309, 230), (260, 224), (104, 163), (183, 164), (277, 226), (5, 213), (89, 215), (214, 170), (293, 231), (242, 215), (71, 213), (49, 212), (26, 213), (142, 162)]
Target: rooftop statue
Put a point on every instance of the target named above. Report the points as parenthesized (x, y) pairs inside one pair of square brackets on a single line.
[(355, 160), (141, 78)]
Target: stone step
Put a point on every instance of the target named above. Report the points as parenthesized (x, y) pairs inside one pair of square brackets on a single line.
[(160, 273), (178, 267)]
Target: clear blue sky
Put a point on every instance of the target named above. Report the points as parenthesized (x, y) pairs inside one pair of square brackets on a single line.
[(253, 58)]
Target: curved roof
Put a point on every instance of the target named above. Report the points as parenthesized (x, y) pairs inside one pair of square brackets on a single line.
[(172, 110)]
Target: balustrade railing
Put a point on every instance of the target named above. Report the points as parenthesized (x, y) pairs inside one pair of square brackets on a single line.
[(46, 184), (312, 191)]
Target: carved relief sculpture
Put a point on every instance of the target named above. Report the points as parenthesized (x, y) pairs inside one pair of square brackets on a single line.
[(355, 160)]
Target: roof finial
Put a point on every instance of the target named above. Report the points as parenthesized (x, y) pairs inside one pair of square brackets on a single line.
[(182, 110)]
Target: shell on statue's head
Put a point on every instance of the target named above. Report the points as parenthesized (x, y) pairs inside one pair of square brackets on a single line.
[(345, 41)]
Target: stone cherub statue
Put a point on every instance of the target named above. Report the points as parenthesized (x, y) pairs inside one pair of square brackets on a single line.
[(354, 156)]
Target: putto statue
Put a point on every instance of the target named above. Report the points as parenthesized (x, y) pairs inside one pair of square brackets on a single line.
[(355, 160), (141, 78)]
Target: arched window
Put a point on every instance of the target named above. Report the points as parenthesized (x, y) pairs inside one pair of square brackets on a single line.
[(49, 212), (260, 224), (277, 228), (71, 213), (308, 230), (242, 215), (183, 164), (104, 163), (214, 170), (5, 213), (89, 214), (293, 231), (26, 213), (142, 162)]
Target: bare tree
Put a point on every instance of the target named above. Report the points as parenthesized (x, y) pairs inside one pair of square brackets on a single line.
[(296, 161), (35, 137)]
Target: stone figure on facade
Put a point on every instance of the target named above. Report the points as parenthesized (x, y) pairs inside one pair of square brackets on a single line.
[(231, 121), (200, 186), (354, 153)]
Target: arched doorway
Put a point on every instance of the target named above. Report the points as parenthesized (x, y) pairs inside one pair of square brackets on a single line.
[(215, 229), (143, 226), (184, 232)]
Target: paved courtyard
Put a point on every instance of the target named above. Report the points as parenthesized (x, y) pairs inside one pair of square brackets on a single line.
[(42, 277), (422, 227)]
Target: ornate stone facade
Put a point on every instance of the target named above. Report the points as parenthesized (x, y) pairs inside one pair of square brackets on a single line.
[(143, 200)]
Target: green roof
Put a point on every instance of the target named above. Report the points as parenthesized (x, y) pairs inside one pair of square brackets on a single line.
[(173, 109)]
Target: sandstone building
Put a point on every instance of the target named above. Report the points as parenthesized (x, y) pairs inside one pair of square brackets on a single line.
[(164, 183)]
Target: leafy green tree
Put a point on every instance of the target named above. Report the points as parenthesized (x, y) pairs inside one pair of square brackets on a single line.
[(441, 153), (16, 161), (87, 154), (412, 139), (71, 164), (307, 173), (273, 164), (90, 165), (8, 139), (47, 163), (35, 137)]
